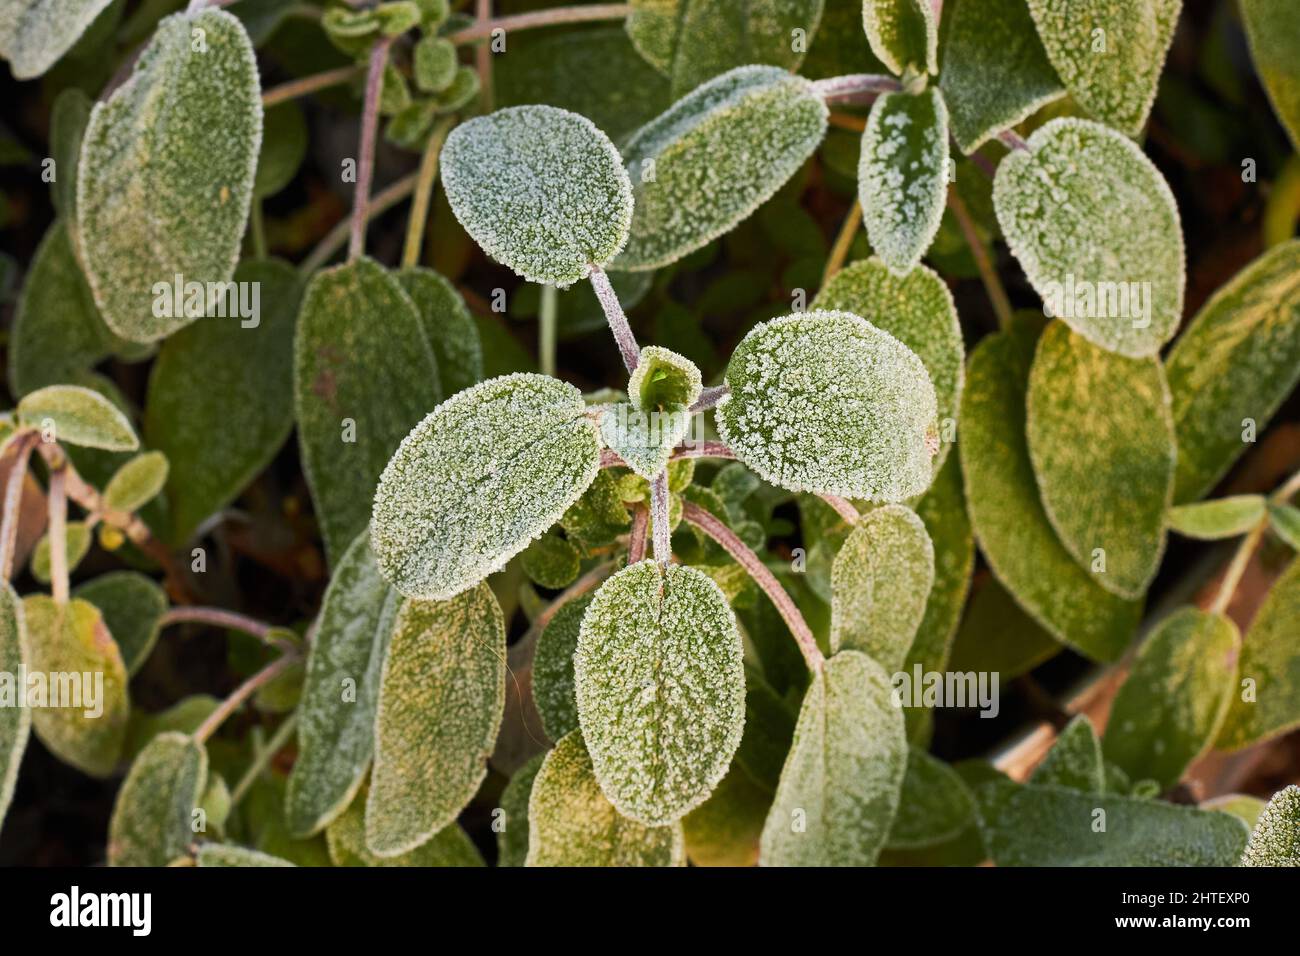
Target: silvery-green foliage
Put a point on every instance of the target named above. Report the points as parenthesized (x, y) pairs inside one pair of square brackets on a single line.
[(1237, 360), (15, 722), (1171, 706), (1075, 760), (553, 690), (34, 34), (434, 63), (1274, 33), (995, 70), (571, 823), (880, 581), (512, 838), (152, 814), (903, 175), (1110, 53), (663, 379), (132, 606), (441, 698), (935, 804), (660, 688), (902, 33), (1053, 826), (1276, 839), (1101, 439), (336, 729), (346, 839), (541, 189), (137, 482), (78, 416), (1084, 209), (839, 788), (1285, 522), (714, 157), (167, 167), (643, 438), (1221, 518), (449, 327), (225, 854), (827, 402), (482, 475)]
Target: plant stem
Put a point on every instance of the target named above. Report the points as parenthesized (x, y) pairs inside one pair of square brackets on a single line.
[(241, 693), (1012, 140), (58, 534), (418, 219), (308, 84), (709, 397), (763, 577), (366, 161), (611, 459), (22, 453), (263, 758), (843, 241), (546, 329), (614, 313), (843, 507), (337, 237), (659, 518), (855, 84), (483, 57), (704, 449), (542, 18), (219, 617), (847, 121), (988, 275), (637, 538)]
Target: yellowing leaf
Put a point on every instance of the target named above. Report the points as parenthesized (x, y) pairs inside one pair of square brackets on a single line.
[(725, 829), (152, 816), (137, 482), (1217, 519), (132, 606), (78, 416), (346, 838)]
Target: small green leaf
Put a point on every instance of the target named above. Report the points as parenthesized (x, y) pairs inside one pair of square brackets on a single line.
[(76, 540), (1074, 761), (441, 698), (183, 717), (34, 34), (132, 606), (1242, 806), (224, 854), (78, 416), (1274, 35), (346, 836), (1221, 518), (434, 63), (1276, 840), (902, 33), (512, 838), (137, 482), (570, 823), (448, 325), (152, 816), (934, 806), (1285, 522), (663, 379), (553, 691), (284, 147), (15, 722), (551, 562)]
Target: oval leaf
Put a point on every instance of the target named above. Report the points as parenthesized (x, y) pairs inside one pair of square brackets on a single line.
[(132, 606), (34, 34), (223, 854), (1276, 840), (902, 33), (1218, 519), (1285, 522), (152, 814), (448, 326), (15, 721), (137, 482), (553, 691), (79, 416), (512, 838), (1274, 34), (1075, 759), (346, 838)]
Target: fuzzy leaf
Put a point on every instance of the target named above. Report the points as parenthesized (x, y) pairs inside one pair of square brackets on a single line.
[(1276, 840), (484, 473), (1221, 518), (449, 327), (34, 34), (15, 722), (827, 402), (714, 157), (902, 33), (1085, 211), (842, 777), (132, 606), (1233, 366), (441, 698), (542, 190), (151, 823), (137, 482), (76, 542), (1274, 34), (661, 689), (551, 562), (434, 63), (78, 416), (346, 838), (644, 439), (69, 117), (571, 823), (553, 669), (934, 806), (664, 379), (1285, 522), (512, 838), (167, 167), (1074, 761), (224, 854)]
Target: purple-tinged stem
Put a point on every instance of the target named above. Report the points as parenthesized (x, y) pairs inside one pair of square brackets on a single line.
[(366, 161), (659, 518), (241, 693), (58, 534), (218, 617), (853, 84), (843, 507), (542, 18), (611, 459), (13, 498), (704, 449), (618, 323), (709, 397), (636, 540), (1012, 140)]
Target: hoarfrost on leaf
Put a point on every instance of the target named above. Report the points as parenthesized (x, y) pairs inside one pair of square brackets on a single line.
[(346, 840), (151, 818), (644, 439), (132, 606), (34, 34), (663, 379), (225, 854), (80, 416), (1276, 840), (902, 33)]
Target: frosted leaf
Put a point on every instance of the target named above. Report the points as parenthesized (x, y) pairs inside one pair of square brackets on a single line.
[(1115, 83), (1276, 840), (69, 117), (842, 777), (692, 41), (71, 638), (660, 687), (137, 482), (644, 439), (1075, 759), (718, 154), (486, 471), (551, 562), (79, 416), (1101, 439), (434, 63), (902, 33), (827, 402), (903, 175), (663, 379), (15, 722), (995, 70), (166, 173), (357, 328), (599, 516), (1221, 518), (220, 400), (542, 190), (553, 690), (934, 805), (916, 309), (1096, 229), (76, 541), (1274, 34), (571, 823), (1010, 524), (151, 818), (225, 854), (879, 584), (34, 34), (132, 606), (336, 729), (725, 829), (1285, 522), (442, 694), (1268, 657), (512, 840), (449, 327), (1053, 826), (1238, 359), (346, 839)]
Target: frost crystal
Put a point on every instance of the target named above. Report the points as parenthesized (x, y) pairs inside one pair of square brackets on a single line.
[(902, 33), (151, 818), (34, 34), (1276, 840), (827, 402), (663, 378), (644, 439), (346, 840), (224, 854), (553, 669), (79, 416), (542, 190)]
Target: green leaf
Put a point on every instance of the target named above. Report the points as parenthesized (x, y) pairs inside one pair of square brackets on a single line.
[(903, 175), (482, 475), (725, 829), (1074, 761), (15, 721), (934, 806), (132, 606), (1276, 840), (714, 157), (1242, 806), (78, 416), (1233, 366), (183, 717), (880, 581), (69, 117), (166, 175), (839, 789), (1285, 522), (1010, 524), (1221, 518), (152, 816), (644, 439), (441, 698), (902, 33), (220, 398), (1274, 35), (551, 562), (76, 543), (553, 690), (284, 147), (1101, 439), (512, 838), (661, 689), (224, 854), (34, 34), (448, 325), (137, 482), (1110, 53), (1054, 826), (434, 63), (827, 402), (66, 643), (346, 837), (918, 310), (663, 379), (995, 70), (336, 729), (570, 823), (542, 190), (347, 429), (1271, 665), (1096, 229)]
